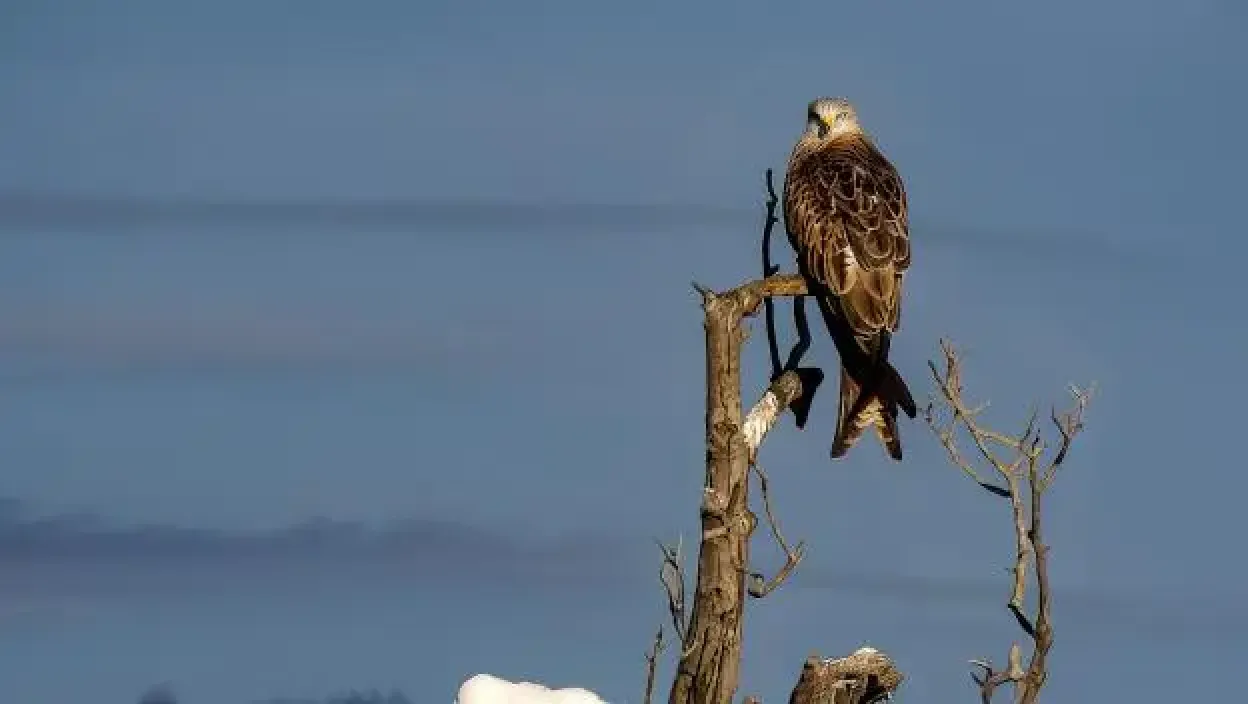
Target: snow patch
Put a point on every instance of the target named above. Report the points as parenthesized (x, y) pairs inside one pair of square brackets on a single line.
[(488, 689)]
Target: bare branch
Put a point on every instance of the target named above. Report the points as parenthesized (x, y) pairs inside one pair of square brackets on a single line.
[(992, 678), (811, 376), (1023, 551), (790, 387), (747, 297), (950, 386), (763, 416), (1025, 468), (1068, 424), (802, 345), (672, 577), (792, 555), (946, 434), (652, 661), (769, 223)]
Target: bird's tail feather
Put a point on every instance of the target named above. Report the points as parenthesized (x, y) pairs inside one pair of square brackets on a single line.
[(894, 388), (872, 366), (859, 411)]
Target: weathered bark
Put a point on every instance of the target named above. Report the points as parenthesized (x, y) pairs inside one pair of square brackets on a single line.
[(865, 676), (709, 667), (767, 411), (1038, 669)]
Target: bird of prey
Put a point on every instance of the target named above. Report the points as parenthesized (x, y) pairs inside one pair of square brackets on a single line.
[(846, 216)]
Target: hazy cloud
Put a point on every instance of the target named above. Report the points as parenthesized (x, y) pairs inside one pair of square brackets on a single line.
[(492, 219), (427, 548), (59, 341), (452, 548), (1139, 611)]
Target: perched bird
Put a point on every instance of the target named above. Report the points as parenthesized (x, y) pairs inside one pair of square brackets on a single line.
[(845, 213)]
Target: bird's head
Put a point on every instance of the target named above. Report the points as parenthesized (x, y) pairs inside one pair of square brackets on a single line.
[(830, 117)]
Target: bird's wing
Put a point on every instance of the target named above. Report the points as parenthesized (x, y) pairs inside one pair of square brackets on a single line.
[(846, 214)]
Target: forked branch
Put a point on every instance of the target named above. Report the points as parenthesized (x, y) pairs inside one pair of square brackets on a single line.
[(760, 586), (672, 577), (1025, 476)]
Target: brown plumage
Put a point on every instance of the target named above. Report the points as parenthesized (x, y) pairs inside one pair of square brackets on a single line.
[(845, 213)]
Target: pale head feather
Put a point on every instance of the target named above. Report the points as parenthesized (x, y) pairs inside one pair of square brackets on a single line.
[(827, 118)]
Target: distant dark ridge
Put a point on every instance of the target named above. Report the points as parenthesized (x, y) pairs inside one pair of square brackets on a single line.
[(369, 696)]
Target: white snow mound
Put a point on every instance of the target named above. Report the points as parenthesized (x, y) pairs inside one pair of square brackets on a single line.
[(488, 689)]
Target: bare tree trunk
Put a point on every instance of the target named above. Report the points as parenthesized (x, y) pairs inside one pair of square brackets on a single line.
[(708, 671), (710, 659)]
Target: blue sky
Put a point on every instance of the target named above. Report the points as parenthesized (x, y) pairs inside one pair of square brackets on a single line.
[(419, 273)]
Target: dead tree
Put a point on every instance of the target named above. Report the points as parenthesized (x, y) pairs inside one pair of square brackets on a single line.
[(1023, 475), (710, 635)]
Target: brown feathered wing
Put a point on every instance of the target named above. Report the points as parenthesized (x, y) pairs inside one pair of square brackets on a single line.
[(846, 215)]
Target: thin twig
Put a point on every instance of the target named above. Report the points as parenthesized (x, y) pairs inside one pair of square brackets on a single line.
[(945, 433), (802, 345), (672, 577), (760, 587), (811, 377), (950, 386), (652, 661), (1068, 424), (992, 678), (769, 222)]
